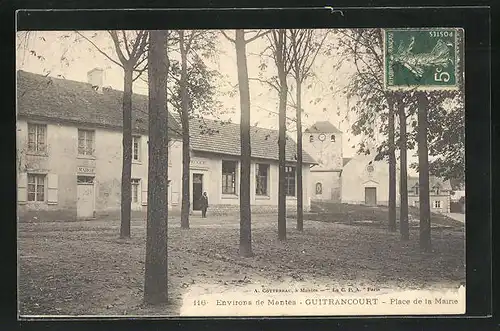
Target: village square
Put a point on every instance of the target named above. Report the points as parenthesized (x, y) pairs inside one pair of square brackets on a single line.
[(335, 204)]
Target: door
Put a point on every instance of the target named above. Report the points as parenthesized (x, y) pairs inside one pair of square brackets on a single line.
[(85, 197), (371, 196), (197, 190)]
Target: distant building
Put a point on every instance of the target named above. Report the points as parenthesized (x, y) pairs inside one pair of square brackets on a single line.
[(439, 192), (69, 154), (366, 181), (358, 179), (323, 141)]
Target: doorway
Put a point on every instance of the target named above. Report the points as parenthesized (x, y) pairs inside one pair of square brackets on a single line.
[(197, 190), (371, 196), (85, 197)]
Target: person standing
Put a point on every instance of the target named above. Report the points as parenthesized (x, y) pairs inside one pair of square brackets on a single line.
[(204, 205)]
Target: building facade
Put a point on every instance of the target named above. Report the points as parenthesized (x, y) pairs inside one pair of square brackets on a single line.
[(69, 155), (323, 141), (366, 181), (439, 194)]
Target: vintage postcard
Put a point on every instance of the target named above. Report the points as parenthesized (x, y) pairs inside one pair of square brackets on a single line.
[(288, 172)]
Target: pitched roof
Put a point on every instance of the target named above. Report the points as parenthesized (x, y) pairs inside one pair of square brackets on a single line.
[(57, 99), (224, 138), (346, 160), (323, 126), (433, 181)]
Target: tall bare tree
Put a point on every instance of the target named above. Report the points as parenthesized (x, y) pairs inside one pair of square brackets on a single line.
[(281, 51), (423, 173), (240, 41), (155, 278), (305, 46), (131, 49), (404, 228)]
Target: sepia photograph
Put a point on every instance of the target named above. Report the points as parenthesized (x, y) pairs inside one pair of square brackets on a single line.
[(272, 172)]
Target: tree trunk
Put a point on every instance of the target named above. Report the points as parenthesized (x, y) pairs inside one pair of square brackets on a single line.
[(281, 158), (300, 193), (126, 187), (186, 156), (155, 278), (244, 89), (392, 169), (403, 177), (423, 174)]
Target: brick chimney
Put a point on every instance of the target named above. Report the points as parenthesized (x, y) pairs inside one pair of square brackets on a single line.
[(95, 77)]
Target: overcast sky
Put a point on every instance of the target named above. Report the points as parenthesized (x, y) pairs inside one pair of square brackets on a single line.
[(59, 54)]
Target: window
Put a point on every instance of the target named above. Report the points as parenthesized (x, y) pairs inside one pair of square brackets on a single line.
[(36, 187), (85, 180), (228, 177), (85, 142), (416, 189), (311, 138), (437, 204), (416, 203), (332, 138), (136, 148), (436, 189), (290, 181), (261, 176), (135, 189), (319, 188), (36, 137)]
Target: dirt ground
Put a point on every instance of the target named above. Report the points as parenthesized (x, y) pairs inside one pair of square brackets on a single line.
[(83, 268)]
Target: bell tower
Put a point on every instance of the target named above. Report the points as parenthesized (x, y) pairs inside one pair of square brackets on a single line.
[(323, 141)]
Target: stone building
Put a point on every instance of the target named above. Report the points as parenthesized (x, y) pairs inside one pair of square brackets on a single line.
[(69, 154)]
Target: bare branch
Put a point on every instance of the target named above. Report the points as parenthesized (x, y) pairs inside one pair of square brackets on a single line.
[(99, 50), (259, 34), (119, 52), (227, 37)]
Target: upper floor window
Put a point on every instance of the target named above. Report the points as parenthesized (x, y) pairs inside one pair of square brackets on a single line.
[(332, 138), (261, 178), (37, 137), (136, 148), (311, 138), (36, 187), (85, 142), (416, 189), (290, 181), (228, 177), (437, 204), (437, 190)]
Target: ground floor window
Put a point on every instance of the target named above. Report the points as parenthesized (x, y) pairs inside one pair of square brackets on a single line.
[(437, 204), (416, 203), (135, 189), (36, 187), (290, 181), (228, 177), (261, 178)]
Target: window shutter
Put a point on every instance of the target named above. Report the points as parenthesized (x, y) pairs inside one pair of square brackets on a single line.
[(22, 188), (144, 193), (52, 189)]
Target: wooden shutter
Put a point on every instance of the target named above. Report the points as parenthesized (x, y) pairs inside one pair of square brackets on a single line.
[(52, 189), (22, 188), (144, 193)]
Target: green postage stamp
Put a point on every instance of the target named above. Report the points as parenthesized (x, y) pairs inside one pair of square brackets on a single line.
[(421, 58)]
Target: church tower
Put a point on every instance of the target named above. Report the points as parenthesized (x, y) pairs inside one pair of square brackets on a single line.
[(323, 141)]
